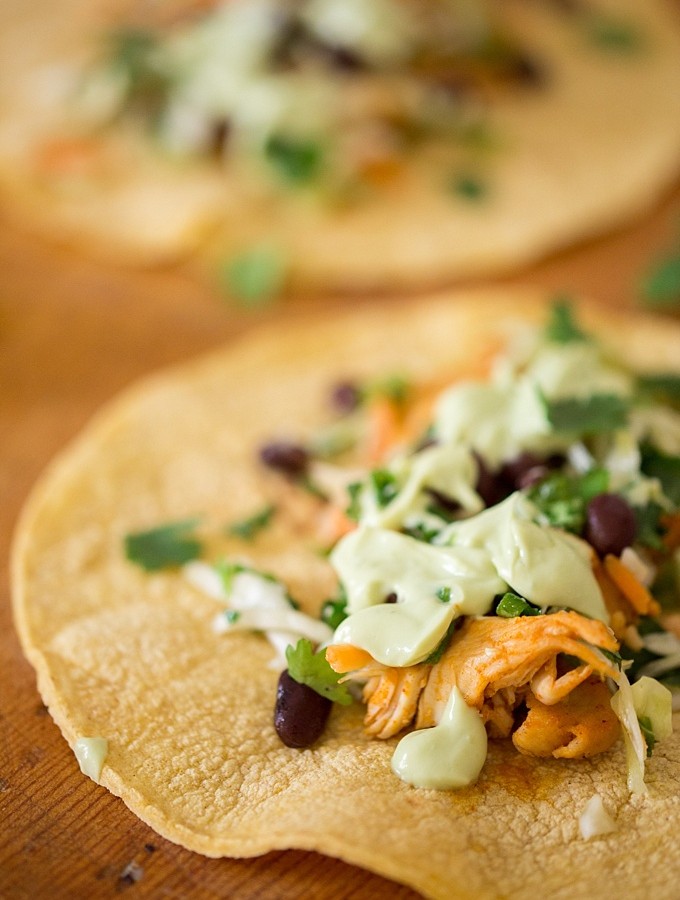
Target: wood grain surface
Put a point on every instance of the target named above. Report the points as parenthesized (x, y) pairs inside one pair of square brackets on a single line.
[(72, 333)]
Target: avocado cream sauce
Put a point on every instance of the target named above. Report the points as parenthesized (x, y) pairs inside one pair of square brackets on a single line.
[(482, 556), (449, 755)]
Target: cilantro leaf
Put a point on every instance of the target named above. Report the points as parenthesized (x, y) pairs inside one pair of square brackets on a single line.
[(295, 161), (664, 386), (256, 276), (353, 510), (647, 732), (438, 651), (469, 187), (511, 605), (310, 668), (562, 498), (591, 415), (167, 545), (334, 611), (562, 327), (248, 528), (611, 34), (656, 464), (660, 287), (384, 485), (649, 527)]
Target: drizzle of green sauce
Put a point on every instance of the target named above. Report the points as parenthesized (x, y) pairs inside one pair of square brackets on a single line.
[(450, 755)]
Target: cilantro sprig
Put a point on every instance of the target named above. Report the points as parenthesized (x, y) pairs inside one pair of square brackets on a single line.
[(512, 605), (562, 327), (167, 545), (249, 527), (562, 498), (597, 414), (310, 668)]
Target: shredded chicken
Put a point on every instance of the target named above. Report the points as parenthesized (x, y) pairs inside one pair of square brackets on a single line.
[(583, 724), (498, 664)]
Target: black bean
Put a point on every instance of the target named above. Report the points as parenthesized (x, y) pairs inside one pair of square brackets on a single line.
[(300, 713), (345, 396), (491, 487), (448, 505), (610, 524), (528, 468), (288, 458)]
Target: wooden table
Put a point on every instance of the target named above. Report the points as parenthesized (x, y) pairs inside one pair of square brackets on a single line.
[(72, 333)]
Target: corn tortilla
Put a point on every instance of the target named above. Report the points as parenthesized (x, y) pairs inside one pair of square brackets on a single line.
[(594, 147), (131, 656)]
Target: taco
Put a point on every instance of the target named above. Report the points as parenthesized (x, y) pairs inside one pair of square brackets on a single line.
[(307, 143), (155, 565)]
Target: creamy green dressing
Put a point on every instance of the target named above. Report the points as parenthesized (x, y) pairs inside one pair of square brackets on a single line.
[(546, 565), (504, 417), (484, 555), (373, 563), (91, 753), (449, 755), (449, 469)]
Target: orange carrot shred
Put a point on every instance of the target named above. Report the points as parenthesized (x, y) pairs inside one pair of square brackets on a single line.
[(631, 587), (346, 658)]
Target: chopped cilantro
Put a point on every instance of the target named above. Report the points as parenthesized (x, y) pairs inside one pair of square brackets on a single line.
[(511, 605), (647, 732), (615, 658), (334, 611), (310, 668), (660, 286), (611, 34), (562, 498), (422, 532), (132, 52), (664, 386), (592, 415), (384, 486), (394, 387), (248, 528), (649, 527), (165, 546), (296, 161), (638, 659), (438, 651), (444, 594), (353, 510), (256, 276), (228, 571), (469, 187), (666, 468), (232, 615), (562, 327)]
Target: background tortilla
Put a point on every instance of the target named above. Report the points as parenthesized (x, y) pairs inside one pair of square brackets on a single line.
[(592, 150), (131, 657)]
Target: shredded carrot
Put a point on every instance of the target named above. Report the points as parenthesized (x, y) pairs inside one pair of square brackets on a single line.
[(334, 524), (633, 590), (346, 658), (615, 601), (391, 423), (381, 171), (384, 431), (67, 156)]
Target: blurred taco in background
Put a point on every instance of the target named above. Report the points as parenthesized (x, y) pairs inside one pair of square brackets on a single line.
[(342, 143), (455, 528)]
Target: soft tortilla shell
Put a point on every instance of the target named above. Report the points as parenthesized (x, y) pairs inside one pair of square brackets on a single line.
[(594, 148), (188, 715)]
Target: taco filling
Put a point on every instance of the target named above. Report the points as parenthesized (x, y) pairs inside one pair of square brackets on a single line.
[(502, 561)]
